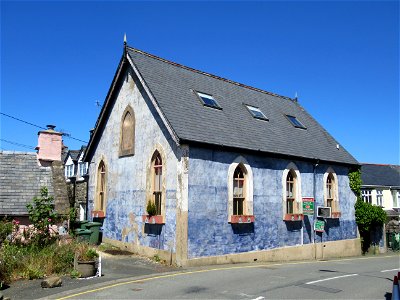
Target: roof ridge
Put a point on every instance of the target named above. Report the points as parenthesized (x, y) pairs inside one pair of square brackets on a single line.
[(376, 164), (208, 74)]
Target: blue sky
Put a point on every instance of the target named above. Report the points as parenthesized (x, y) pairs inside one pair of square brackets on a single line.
[(342, 58)]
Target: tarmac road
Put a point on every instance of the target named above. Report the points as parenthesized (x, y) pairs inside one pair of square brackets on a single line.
[(354, 278)]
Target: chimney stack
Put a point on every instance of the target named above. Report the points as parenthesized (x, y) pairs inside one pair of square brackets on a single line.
[(49, 146)]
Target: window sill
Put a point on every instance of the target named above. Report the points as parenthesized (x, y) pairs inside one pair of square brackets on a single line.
[(336, 215), (239, 219), (293, 217), (159, 219)]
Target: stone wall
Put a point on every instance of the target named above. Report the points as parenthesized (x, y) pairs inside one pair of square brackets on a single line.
[(61, 199), (127, 177), (210, 234)]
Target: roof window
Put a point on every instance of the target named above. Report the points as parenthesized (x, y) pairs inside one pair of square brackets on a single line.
[(256, 112), (295, 122), (208, 100)]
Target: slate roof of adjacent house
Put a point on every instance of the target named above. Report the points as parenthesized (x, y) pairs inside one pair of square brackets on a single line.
[(21, 179), (380, 175), (173, 87)]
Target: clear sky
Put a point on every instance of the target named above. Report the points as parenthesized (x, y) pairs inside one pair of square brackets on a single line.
[(342, 58)]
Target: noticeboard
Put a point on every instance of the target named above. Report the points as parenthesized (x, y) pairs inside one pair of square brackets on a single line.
[(308, 205), (319, 225)]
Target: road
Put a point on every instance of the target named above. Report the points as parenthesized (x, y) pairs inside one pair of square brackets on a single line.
[(354, 278)]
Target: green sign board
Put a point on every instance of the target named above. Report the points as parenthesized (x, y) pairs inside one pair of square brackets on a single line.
[(319, 225), (308, 206)]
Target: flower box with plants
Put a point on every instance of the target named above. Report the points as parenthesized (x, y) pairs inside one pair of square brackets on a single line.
[(152, 217), (242, 219), (85, 260)]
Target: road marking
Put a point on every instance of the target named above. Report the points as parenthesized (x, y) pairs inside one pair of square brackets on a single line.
[(336, 277), (259, 298), (211, 270), (390, 270)]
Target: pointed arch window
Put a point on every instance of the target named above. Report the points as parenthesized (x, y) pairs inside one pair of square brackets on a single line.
[(331, 193), (127, 133), (100, 204), (157, 182), (290, 192), (240, 187)]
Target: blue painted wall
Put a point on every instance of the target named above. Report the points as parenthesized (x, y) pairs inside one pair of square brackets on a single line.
[(209, 232)]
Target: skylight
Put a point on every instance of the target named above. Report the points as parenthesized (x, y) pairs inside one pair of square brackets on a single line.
[(295, 122), (256, 112), (208, 100)]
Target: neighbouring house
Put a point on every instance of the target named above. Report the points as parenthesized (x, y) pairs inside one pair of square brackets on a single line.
[(381, 186), (226, 166), (23, 174), (76, 177)]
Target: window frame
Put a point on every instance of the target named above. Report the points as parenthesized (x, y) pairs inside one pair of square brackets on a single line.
[(126, 132), (296, 214), (101, 188), (366, 194), (379, 197), (299, 123), (247, 215), (330, 174), (216, 106), (249, 109)]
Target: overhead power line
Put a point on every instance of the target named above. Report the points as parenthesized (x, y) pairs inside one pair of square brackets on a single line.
[(29, 123), (18, 144)]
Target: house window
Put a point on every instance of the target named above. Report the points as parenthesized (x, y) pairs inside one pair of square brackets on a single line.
[(366, 196), (69, 171), (101, 187), (208, 100), (295, 122), (82, 168), (256, 112), (238, 191), (379, 198), (290, 192), (331, 192), (127, 135), (157, 182)]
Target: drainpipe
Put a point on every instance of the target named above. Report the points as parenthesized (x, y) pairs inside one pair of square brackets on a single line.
[(315, 205)]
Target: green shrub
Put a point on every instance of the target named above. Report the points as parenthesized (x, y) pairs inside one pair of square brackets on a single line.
[(151, 208), (6, 228)]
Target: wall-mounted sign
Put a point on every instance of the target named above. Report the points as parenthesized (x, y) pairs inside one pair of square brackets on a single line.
[(319, 225), (323, 212), (308, 206)]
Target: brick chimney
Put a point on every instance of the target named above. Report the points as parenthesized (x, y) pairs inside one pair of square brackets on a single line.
[(49, 146)]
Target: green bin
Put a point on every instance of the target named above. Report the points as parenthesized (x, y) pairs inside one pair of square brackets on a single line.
[(94, 227), (82, 224), (83, 235)]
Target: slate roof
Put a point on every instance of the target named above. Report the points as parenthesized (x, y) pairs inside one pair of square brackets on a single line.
[(380, 175), (173, 85), (20, 180)]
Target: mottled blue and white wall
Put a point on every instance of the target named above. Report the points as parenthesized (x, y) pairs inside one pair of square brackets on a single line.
[(210, 234)]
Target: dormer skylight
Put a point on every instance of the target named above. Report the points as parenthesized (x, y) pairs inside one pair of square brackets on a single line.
[(295, 122), (256, 112), (208, 100)]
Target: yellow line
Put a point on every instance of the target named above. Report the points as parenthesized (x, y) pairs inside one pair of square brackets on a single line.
[(214, 269)]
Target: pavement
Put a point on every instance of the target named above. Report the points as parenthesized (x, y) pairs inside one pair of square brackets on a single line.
[(114, 268)]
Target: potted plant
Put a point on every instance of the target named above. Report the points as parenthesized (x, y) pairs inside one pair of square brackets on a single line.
[(152, 217), (85, 260)]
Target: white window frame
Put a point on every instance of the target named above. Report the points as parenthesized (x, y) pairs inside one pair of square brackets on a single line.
[(297, 205), (366, 196), (69, 171), (379, 197)]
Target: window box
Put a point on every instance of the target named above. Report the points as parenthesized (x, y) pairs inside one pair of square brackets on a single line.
[(98, 214), (293, 217), (336, 214), (159, 219), (239, 219)]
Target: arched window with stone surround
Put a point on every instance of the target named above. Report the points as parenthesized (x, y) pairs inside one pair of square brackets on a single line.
[(331, 196), (157, 176), (291, 187), (240, 192), (101, 189), (127, 133)]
